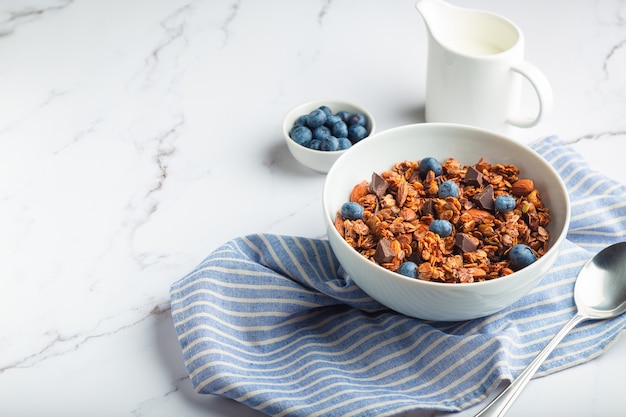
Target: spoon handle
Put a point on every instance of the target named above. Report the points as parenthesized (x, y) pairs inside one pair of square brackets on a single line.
[(501, 404)]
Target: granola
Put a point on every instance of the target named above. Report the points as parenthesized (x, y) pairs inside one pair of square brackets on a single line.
[(400, 204)]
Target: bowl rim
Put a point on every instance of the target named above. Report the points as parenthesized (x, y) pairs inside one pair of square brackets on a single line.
[(316, 104), (554, 245)]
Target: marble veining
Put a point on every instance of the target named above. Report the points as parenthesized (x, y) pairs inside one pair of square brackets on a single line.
[(19, 14), (136, 137), (234, 8)]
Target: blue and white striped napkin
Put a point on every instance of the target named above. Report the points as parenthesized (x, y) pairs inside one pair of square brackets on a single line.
[(271, 322)]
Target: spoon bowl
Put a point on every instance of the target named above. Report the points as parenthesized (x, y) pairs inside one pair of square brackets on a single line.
[(600, 290), (599, 293)]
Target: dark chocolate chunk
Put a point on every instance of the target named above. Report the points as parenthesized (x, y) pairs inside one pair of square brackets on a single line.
[(484, 199), (415, 257), (384, 253), (378, 185), (465, 242), (428, 208), (473, 177)]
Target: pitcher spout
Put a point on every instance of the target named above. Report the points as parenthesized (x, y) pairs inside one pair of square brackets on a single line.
[(465, 31), (437, 15)]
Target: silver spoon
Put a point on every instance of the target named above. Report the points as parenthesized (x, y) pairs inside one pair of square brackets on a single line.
[(599, 293)]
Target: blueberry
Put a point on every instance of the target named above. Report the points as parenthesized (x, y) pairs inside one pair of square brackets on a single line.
[(351, 211), (442, 227), (408, 269), (315, 144), (356, 133), (326, 110), (504, 203), (340, 129), (521, 256), (301, 121), (321, 132), (330, 144), (301, 134), (343, 115), (332, 119), (429, 164), (357, 119), (448, 189), (316, 118), (344, 143)]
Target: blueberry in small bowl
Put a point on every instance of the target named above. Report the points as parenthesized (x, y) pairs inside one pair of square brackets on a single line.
[(320, 131)]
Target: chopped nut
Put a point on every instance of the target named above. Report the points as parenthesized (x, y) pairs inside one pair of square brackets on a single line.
[(402, 194), (407, 214)]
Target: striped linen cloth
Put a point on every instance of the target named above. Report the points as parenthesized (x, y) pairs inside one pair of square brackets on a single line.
[(271, 322)]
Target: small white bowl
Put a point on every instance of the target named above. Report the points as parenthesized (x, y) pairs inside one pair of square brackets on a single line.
[(320, 161), (433, 300)]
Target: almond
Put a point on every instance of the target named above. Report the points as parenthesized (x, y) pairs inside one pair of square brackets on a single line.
[(480, 215), (522, 187), (359, 191)]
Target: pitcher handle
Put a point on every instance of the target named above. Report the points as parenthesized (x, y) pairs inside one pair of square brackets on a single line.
[(543, 90)]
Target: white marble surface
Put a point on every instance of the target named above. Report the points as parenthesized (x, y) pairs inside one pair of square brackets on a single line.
[(137, 136)]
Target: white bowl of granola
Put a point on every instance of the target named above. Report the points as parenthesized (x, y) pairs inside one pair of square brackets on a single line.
[(470, 270)]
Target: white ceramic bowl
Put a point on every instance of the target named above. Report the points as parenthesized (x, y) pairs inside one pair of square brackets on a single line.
[(433, 300), (320, 161)]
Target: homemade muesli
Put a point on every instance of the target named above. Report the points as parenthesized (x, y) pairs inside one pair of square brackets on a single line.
[(490, 208)]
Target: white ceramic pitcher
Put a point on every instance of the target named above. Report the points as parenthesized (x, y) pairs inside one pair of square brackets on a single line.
[(475, 69)]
